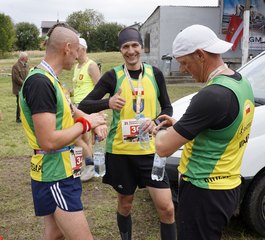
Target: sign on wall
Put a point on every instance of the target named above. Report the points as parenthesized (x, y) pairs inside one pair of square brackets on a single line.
[(256, 24)]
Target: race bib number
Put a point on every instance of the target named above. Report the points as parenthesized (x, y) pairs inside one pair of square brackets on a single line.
[(130, 130), (76, 157)]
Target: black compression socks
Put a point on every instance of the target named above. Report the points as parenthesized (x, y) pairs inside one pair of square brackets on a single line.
[(125, 226), (168, 231)]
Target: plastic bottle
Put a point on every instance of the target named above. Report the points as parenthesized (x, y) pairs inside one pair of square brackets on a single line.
[(99, 158), (158, 170), (143, 137)]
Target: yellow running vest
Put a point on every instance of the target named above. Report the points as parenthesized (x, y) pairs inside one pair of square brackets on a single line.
[(213, 158), (83, 83), (150, 94), (55, 166)]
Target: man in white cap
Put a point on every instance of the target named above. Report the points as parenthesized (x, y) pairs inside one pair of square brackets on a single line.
[(214, 131), (86, 75)]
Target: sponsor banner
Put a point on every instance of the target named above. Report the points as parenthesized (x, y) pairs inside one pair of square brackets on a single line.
[(232, 8)]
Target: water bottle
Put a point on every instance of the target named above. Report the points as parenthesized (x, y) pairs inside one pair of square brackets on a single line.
[(143, 137), (158, 170), (99, 158)]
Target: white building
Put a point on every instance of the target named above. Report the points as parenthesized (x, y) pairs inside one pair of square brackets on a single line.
[(162, 26)]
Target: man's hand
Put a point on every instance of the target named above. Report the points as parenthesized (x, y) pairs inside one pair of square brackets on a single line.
[(95, 119), (117, 102), (165, 122), (101, 131), (148, 126)]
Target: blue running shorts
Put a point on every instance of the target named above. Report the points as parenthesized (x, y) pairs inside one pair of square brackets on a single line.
[(65, 194)]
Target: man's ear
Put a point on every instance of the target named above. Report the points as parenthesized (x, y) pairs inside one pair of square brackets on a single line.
[(200, 54), (67, 47)]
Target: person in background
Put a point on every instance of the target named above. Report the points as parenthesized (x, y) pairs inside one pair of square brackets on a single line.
[(86, 75), (52, 124), (135, 88), (19, 72), (214, 131)]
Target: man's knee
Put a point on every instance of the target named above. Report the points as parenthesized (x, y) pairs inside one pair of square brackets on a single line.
[(53, 234), (125, 204)]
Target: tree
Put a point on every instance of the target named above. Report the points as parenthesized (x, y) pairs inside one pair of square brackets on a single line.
[(86, 22), (106, 36), (7, 33), (27, 36)]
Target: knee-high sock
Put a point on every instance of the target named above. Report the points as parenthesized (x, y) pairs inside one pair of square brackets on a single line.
[(125, 226), (168, 231)]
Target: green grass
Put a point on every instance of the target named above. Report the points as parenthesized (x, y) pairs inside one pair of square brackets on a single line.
[(12, 140), (17, 220)]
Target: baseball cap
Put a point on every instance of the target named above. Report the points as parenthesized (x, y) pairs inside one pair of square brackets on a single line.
[(129, 34), (82, 42), (198, 37)]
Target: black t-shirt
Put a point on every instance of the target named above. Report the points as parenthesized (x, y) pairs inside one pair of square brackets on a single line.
[(93, 102), (213, 107), (40, 94)]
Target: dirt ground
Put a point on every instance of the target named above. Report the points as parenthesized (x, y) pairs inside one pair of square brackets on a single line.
[(17, 220)]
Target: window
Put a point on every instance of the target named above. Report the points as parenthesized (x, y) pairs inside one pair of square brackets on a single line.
[(147, 43)]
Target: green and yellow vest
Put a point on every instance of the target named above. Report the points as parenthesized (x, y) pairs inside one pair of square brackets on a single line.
[(83, 84), (213, 158), (150, 94), (54, 166)]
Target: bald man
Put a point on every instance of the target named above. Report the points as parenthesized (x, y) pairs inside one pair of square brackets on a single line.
[(52, 124)]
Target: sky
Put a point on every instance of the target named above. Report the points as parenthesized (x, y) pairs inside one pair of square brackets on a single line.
[(125, 12)]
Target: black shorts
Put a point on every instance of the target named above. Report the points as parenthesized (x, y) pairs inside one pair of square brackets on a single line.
[(202, 213), (125, 172)]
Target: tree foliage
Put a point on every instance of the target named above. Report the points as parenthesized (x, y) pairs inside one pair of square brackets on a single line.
[(27, 36), (85, 22), (7, 33), (106, 36)]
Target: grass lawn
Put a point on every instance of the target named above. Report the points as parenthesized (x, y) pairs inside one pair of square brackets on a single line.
[(17, 220)]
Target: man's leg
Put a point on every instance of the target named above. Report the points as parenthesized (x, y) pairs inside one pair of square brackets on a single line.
[(162, 199), (18, 110), (203, 212), (73, 224), (87, 171), (124, 216), (51, 230)]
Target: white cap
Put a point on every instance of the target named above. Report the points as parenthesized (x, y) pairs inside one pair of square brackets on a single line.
[(198, 37), (82, 42)]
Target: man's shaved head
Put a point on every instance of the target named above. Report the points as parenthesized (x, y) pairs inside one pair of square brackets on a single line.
[(59, 36), (62, 46)]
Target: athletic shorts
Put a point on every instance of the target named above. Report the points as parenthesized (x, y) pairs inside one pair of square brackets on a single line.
[(202, 213), (65, 194), (127, 172)]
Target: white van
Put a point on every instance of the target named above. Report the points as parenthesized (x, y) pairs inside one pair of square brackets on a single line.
[(252, 207)]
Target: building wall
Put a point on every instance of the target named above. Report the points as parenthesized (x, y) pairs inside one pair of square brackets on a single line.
[(175, 19), (152, 26), (167, 21)]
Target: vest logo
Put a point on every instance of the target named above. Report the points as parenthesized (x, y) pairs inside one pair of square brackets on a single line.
[(136, 92), (247, 109), (244, 141), (141, 105), (243, 128), (81, 76), (213, 179), (35, 168)]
